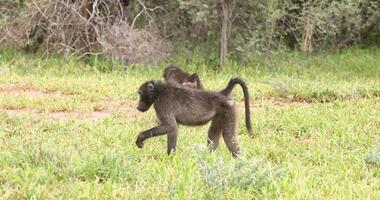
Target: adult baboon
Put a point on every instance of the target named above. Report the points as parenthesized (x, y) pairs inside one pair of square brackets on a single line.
[(177, 105), (174, 74)]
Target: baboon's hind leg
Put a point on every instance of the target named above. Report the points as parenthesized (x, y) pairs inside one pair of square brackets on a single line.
[(229, 132), (214, 133)]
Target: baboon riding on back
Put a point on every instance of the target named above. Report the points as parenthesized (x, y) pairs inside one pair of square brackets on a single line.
[(174, 74)]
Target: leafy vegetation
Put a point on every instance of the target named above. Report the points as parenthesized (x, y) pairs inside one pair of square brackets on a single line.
[(149, 31), (373, 156)]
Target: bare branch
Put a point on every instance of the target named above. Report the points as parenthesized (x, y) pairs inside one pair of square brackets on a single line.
[(98, 28), (145, 9)]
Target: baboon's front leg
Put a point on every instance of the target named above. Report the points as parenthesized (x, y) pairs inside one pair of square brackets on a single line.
[(153, 132), (172, 140)]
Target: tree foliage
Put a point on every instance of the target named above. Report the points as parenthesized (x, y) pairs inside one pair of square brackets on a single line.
[(246, 27)]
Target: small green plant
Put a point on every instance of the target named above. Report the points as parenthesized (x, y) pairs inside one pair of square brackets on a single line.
[(373, 157), (242, 173)]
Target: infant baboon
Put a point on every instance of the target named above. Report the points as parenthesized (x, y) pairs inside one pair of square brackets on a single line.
[(174, 74), (177, 105)]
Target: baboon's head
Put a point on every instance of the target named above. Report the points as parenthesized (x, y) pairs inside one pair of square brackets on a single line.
[(192, 81), (169, 70), (148, 93)]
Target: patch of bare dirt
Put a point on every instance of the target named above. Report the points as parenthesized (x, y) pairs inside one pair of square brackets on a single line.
[(258, 104), (29, 91), (126, 107), (277, 102), (97, 115)]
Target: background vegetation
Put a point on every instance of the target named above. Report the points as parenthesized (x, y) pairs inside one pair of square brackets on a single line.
[(138, 31)]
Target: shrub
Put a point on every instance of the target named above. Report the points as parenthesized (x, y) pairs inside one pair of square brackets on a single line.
[(243, 173)]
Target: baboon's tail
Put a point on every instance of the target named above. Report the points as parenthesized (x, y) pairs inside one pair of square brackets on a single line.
[(227, 91)]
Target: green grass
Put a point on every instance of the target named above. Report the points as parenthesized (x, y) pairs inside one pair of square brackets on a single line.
[(316, 118)]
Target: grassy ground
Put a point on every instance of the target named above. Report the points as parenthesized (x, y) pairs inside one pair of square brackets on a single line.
[(67, 130)]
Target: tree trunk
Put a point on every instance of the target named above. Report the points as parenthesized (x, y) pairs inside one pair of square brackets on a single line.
[(307, 36), (224, 37)]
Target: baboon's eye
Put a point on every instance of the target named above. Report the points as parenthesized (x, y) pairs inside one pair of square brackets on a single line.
[(150, 86)]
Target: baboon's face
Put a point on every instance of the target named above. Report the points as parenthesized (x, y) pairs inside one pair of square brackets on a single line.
[(169, 70), (146, 96), (190, 84)]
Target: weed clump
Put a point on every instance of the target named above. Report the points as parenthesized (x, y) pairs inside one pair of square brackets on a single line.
[(373, 157), (243, 173)]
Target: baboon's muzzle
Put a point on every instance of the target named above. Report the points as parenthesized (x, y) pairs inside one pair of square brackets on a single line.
[(142, 107)]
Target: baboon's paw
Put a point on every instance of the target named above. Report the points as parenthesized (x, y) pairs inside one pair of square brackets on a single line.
[(140, 142)]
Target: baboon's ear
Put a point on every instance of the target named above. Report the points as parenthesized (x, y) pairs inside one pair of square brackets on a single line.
[(150, 86)]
